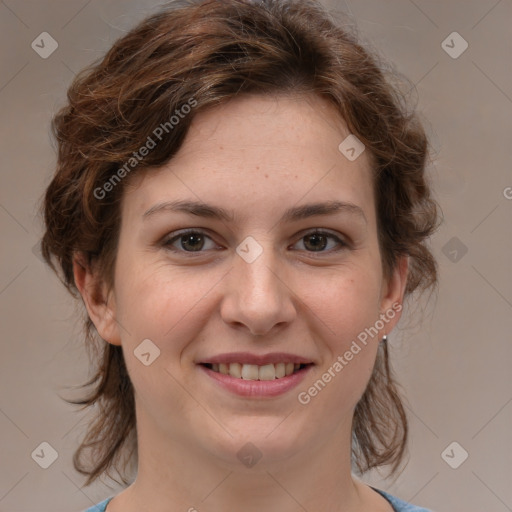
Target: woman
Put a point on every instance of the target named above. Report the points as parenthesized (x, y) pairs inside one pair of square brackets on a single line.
[(240, 201)]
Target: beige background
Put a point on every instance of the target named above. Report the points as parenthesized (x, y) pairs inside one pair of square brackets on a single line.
[(454, 367)]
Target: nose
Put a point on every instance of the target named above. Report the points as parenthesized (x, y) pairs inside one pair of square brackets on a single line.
[(258, 295)]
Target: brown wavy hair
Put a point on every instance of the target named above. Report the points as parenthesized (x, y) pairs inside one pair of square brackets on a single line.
[(211, 51)]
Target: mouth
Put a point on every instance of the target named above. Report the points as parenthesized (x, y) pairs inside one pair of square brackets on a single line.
[(256, 376), (270, 371), (266, 372)]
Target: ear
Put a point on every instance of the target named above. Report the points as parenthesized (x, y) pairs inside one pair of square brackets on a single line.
[(392, 294), (99, 302)]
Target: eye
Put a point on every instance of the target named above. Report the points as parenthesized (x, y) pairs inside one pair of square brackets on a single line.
[(189, 240), (195, 240), (317, 241)]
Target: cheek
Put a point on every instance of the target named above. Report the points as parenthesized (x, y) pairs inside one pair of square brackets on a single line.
[(346, 301), (166, 307), (170, 311), (346, 308)]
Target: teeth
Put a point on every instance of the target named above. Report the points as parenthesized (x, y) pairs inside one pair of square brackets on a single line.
[(250, 372), (235, 370), (280, 370), (267, 372), (255, 372)]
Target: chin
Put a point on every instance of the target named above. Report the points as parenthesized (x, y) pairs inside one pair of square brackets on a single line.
[(257, 443)]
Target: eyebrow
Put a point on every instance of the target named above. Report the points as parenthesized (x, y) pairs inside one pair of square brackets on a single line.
[(292, 214)]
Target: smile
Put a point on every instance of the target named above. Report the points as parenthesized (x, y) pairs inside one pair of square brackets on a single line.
[(255, 372)]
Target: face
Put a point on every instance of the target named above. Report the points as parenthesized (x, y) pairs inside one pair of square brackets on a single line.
[(266, 281)]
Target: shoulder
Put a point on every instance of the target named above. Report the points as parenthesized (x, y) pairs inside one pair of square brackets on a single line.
[(401, 505), (99, 507)]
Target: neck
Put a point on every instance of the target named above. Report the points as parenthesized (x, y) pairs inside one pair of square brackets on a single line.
[(189, 478)]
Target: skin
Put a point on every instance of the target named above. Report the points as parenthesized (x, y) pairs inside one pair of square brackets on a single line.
[(257, 156)]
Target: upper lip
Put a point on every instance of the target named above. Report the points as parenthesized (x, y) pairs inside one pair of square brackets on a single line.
[(258, 359)]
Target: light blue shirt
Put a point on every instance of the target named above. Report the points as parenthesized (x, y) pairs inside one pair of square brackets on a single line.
[(397, 504)]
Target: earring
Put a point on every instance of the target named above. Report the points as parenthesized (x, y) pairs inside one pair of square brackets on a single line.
[(384, 339)]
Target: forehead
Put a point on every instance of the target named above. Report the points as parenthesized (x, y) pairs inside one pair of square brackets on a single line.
[(287, 124), (271, 149)]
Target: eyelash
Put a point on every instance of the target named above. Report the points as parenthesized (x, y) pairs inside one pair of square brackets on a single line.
[(168, 241)]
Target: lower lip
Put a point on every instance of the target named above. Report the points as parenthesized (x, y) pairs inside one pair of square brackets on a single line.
[(257, 388)]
